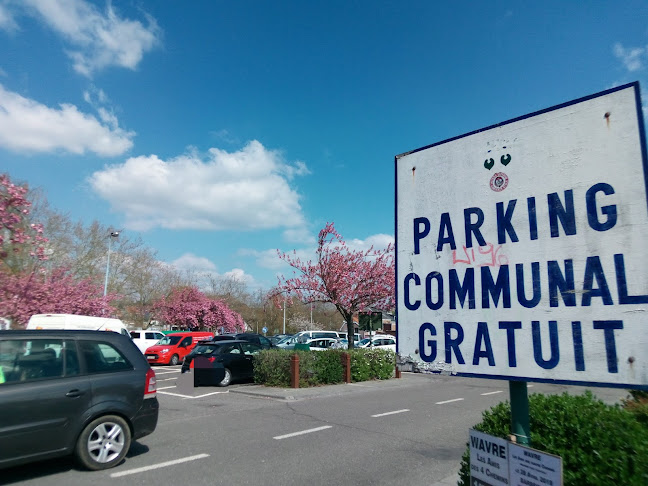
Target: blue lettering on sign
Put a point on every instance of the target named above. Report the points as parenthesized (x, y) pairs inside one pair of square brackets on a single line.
[(561, 219), (558, 282), (454, 336)]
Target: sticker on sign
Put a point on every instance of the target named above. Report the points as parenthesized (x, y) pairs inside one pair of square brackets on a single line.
[(521, 248)]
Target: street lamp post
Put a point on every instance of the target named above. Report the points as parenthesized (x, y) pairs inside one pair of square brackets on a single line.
[(113, 234)]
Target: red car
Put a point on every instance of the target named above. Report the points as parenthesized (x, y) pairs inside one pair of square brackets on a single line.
[(172, 348)]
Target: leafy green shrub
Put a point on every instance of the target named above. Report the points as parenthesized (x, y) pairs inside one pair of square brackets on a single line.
[(599, 444), (360, 366), (637, 404), (381, 363), (272, 367), (328, 367)]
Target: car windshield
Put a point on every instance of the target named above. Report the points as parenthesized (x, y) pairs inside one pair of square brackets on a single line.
[(284, 340), (364, 342), (170, 340)]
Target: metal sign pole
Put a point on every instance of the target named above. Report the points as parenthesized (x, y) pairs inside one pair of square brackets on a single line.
[(520, 412)]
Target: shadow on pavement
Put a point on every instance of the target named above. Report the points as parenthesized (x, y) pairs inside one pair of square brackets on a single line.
[(51, 467)]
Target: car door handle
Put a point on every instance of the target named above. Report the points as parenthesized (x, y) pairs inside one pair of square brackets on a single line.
[(74, 393)]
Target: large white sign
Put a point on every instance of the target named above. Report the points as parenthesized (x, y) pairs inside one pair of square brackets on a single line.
[(522, 248)]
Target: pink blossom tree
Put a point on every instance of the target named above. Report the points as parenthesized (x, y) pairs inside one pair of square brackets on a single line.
[(188, 308), (27, 293), (351, 280), (18, 238)]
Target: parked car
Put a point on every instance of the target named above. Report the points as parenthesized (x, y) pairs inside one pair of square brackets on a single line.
[(262, 341), (321, 344), (145, 339), (85, 393), (221, 362), (287, 342), (278, 337), (172, 348), (379, 342)]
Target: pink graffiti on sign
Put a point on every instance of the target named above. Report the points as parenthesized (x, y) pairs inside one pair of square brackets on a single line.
[(486, 256)]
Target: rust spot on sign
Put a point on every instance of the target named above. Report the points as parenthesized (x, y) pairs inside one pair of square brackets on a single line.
[(413, 171), (607, 118)]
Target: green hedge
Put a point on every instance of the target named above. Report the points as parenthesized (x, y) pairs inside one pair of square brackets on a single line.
[(599, 444), (272, 368)]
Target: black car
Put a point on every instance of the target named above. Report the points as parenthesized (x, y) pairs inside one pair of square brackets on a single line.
[(221, 362), (262, 341), (87, 393)]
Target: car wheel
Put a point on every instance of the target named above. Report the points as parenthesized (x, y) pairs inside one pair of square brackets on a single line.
[(174, 360), (228, 378), (103, 443)]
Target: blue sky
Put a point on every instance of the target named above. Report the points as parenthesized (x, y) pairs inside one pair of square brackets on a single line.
[(222, 131)]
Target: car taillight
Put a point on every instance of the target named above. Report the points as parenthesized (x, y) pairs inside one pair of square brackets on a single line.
[(151, 384)]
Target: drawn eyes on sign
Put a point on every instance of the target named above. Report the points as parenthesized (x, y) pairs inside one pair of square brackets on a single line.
[(504, 159)]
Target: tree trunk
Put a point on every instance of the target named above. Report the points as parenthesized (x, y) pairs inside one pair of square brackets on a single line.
[(350, 330)]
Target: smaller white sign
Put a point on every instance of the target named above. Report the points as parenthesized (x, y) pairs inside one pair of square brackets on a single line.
[(530, 467), (488, 460)]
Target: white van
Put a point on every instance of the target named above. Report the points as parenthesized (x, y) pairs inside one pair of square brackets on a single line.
[(303, 336), (76, 322), (145, 338)]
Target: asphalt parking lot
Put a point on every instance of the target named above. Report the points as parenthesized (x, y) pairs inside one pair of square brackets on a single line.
[(411, 430)]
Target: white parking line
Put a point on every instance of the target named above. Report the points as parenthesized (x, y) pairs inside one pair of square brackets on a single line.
[(157, 466), (190, 396), (491, 393), (166, 379), (391, 413), (302, 432), (166, 387), (449, 401), (166, 372)]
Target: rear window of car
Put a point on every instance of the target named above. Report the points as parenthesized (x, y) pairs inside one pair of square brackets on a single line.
[(23, 360), (206, 349), (102, 357), (135, 335)]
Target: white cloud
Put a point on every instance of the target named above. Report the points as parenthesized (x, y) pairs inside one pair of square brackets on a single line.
[(244, 190), (7, 21), (239, 275), (299, 235), (630, 57), (97, 39), (269, 258), (379, 242), (29, 126), (192, 263)]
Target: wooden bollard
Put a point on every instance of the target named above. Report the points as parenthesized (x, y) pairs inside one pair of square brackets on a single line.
[(346, 364), (294, 371)]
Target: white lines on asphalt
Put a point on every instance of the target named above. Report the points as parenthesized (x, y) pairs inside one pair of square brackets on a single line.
[(158, 466), (491, 393), (302, 432), (529, 386), (166, 379), (166, 387), (391, 413), (449, 401), (166, 372), (189, 396)]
